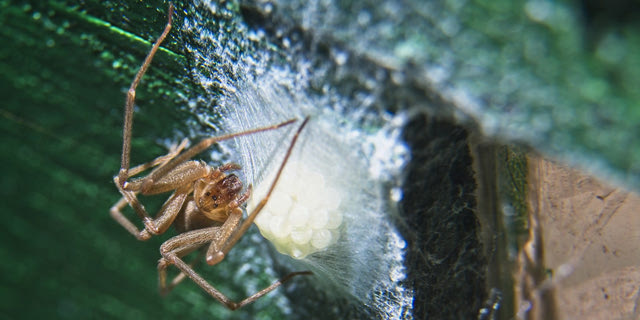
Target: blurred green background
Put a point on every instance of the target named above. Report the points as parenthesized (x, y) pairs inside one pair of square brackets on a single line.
[(65, 65)]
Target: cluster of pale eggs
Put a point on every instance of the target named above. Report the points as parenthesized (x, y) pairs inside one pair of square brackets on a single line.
[(302, 215)]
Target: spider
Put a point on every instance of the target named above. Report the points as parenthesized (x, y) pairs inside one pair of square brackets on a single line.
[(205, 206)]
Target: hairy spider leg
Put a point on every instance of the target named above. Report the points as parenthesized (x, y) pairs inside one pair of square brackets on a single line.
[(131, 97)]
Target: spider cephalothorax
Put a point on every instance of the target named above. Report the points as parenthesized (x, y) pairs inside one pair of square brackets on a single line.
[(214, 195)]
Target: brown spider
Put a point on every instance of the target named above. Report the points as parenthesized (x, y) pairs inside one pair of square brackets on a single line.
[(204, 206)]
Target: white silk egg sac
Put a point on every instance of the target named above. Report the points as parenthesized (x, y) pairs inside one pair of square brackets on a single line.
[(302, 216)]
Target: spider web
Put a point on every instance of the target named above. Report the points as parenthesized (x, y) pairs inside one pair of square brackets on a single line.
[(401, 254)]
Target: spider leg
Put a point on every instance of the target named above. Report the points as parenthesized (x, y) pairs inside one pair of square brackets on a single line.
[(163, 265), (229, 167), (189, 218), (161, 171), (214, 254), (179, 179), (172, 248), (241, 199), (116, 209), (160, 224), (185, 173), (117, 215), (159, 161), (131, 97)]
